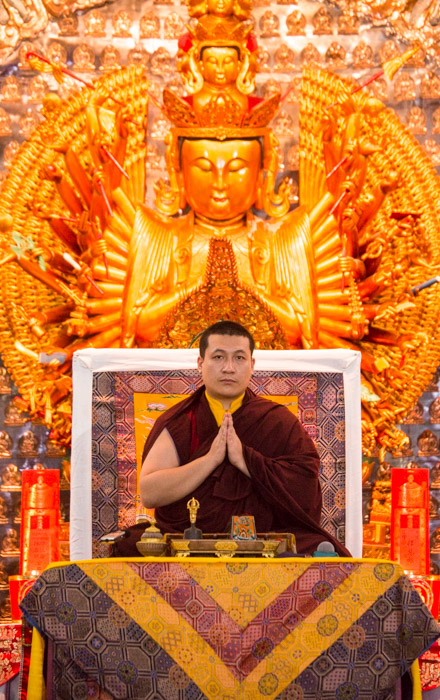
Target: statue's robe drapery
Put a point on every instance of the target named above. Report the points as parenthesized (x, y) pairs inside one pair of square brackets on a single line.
[(283, 493)]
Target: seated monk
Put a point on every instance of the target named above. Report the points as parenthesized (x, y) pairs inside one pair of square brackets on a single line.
[(233, 451)]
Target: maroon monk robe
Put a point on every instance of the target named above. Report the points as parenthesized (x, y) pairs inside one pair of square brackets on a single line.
[(283, 493)]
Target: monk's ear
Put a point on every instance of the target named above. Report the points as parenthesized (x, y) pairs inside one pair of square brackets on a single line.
[(199, 363), (253, 363)]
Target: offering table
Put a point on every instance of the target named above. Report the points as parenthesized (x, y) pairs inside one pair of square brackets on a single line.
[(302, 628)]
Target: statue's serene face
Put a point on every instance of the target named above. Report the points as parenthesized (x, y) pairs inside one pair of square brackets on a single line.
[(221, 8), (220, 65), (220, 177)]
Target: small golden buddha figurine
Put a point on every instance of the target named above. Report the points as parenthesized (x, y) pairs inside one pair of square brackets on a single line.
[(362, 55), (310, 56), (415, 416), (161, 62), (269, 25), (160, 128), (293, 91), (404, 88), (348, 22), (68, 26), (24, 49), (57, 53), (283, 125), (433, 384), (417, 120), (271, 87), (322, 21), (432, 148), (65, 475), (122, 22), (433, 507), (434, 411), (435, 541), (435, 476), (418, 59), (28, 122), (53, 449), (28, 444), (5, 444), (4, 518), (430, 86), (293, 158), (284, 59), (94, 23), (263, 58), (83, 59), (335, 56), (10, 544), (5, 123), (37, 89), (154, 161), (388, 51), (13, 416), (379, 88), (149, 26), (174, 26), (296, 23), (427, 443), (436, 121), (138, 57), (10, 89), (110, 59), (4, 577), (5, 610), (5, 382), (155, 89)]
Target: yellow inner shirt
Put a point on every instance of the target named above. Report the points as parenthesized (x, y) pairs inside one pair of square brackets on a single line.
[(218, 410)]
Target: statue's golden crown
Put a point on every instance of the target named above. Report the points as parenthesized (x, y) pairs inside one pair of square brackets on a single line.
[(223, 120)]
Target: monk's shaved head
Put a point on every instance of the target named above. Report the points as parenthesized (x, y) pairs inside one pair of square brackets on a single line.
[(225, 328)]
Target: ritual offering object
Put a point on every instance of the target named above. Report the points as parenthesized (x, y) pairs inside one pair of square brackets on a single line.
[(40, 515), (193, 532), (152, 544), (410, 519)]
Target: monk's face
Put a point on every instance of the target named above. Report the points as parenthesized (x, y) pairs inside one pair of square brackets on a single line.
[(227, 367), (220, 177)]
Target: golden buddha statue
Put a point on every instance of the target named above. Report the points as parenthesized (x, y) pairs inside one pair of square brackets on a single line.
[(10, 478), (4, 518), (10, 545), (223, 239)]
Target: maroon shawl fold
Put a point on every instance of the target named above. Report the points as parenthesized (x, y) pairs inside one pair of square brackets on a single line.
[(283, 493)]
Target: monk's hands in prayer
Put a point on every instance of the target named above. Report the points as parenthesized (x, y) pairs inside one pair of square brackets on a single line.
[(234, 446), (217, 451)]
